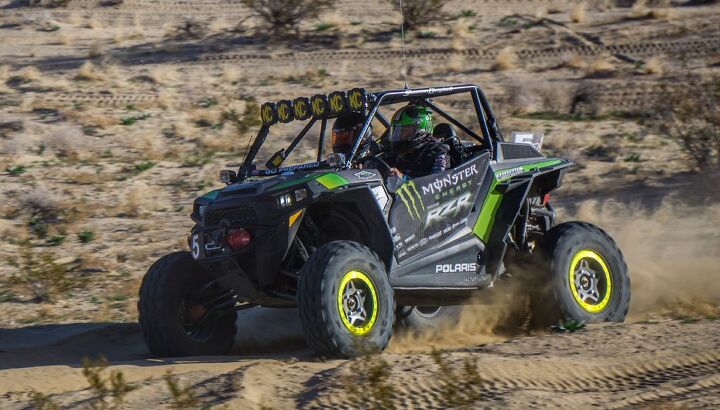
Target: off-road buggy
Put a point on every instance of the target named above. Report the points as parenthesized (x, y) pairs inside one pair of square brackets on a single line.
[(356, 252)]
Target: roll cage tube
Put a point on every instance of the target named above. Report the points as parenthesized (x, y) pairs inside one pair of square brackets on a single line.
[(486, 119), (482, 108)]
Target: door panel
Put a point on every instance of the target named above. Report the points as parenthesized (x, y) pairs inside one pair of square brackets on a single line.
[(429, 210)]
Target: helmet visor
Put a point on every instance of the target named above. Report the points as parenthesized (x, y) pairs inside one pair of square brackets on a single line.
[(344, 137), (403, 133)]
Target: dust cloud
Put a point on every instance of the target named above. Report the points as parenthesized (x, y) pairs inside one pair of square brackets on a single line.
[(673, 257), (672, 252)]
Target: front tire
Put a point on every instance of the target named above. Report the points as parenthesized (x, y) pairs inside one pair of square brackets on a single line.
[(587, 278), (345, 301), (166, 300)]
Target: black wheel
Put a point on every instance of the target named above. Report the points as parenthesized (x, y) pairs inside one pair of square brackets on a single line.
[(345, 300), (172, 311), (587, 275), (428, 317)]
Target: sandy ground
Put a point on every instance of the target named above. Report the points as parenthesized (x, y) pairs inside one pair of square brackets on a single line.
[(113, 118)]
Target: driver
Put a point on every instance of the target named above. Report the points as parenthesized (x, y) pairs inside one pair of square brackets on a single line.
[(412, 146), (344, 132)]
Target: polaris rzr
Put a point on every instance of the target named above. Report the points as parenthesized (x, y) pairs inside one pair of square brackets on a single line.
[(356, 250)]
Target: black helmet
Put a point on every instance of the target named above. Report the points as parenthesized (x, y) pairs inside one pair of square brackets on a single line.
[(410, 126), (344, 131)]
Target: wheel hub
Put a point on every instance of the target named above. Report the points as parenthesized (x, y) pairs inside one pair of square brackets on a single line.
[(586, 282), (590, 281), (357, 302), (354, 304)]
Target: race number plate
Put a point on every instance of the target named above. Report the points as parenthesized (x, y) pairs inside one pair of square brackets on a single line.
[(197, 247)]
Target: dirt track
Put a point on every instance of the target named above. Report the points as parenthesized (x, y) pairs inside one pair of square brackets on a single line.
[(611, 366), (61, 122)]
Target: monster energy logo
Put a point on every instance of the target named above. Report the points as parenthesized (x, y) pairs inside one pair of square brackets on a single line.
[(410, 196)]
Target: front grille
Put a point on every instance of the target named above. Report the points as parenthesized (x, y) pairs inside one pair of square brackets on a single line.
[(240, 216)]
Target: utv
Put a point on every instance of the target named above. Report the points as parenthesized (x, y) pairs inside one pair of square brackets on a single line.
[(355, 252)]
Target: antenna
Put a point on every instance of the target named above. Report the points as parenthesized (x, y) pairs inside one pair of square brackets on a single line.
[(402, 34)]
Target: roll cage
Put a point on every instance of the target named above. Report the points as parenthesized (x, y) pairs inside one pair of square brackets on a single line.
[(338, 103)]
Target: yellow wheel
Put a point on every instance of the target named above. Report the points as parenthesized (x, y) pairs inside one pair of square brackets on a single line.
[(345, 300), (590, 281), (585, 275), (357, 302)]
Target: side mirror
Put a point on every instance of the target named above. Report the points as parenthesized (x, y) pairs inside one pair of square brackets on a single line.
[(227, 177), (276, 160), (336, 159)]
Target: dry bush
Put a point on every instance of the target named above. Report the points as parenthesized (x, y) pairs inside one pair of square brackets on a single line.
[(459, 32), (4, 76), (89, 72), (65, 39), (458, 388), (67, 142), (455, 63), (420, 12), (575, 62), (692, 118), (95, 24), (140, 198), (151, 146), (95, 50), (167, 99), (539, 97), (653, 66), (28, 74), (164, 75), (181, 397), (110, 392), (369, 382), (578, 13), (506, 59), (600, 67), (283, 17), (40, 276), (641, 10)]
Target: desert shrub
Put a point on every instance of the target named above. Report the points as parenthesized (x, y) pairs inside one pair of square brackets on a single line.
[(86, 236), (182, 397), (110, 392), (458, 388), (43, 209), (39, 275), (43, 402), (283, 17), (420, 12), (506, 59), (369, 382), (691, 117), (15, 170)]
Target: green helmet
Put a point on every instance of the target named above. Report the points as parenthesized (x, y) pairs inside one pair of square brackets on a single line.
[(410, 126)]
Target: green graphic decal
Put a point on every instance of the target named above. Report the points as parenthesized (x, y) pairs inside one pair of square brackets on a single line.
[(211, 195), (485, 220), (332, 181), (292, 182), (408, 191)]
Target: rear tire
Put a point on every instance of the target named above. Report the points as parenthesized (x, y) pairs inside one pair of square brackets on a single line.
[(163, 299), (345, 301), (428, 317), (585, 275)]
